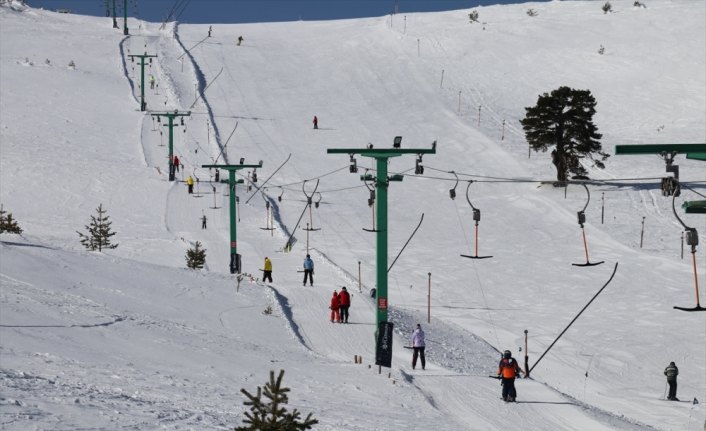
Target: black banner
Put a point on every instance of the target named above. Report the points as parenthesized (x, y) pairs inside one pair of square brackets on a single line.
[(383, 348)]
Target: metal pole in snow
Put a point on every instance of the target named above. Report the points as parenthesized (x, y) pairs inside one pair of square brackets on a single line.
[(442, 79), (418, 47), (602, 205), (429, 301), (459, 101), (360, 288), (479, 115), (642, 231)]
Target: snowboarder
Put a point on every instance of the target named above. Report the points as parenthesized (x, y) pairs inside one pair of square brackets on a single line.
[(418, 346), (152, 82), (316, 122), (672, 372), (508, 369), (176, 163), (309, 270), (267, 271), (240, 40), (344, 299), (335, 305), (190, 184), (203, 222)]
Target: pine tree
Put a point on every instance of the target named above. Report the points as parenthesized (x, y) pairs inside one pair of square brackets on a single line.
[(564, 120), (99, 233), (7, 223), (271, 416), (196, 257)]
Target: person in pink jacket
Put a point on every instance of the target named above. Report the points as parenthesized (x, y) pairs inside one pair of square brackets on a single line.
[(334, 308)]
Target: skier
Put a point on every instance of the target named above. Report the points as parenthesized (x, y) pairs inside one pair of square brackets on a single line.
[(672, 372), (418, 346), (309, 270), (316, 122), (507, 371), (176, 163), (240, 40), (267, 271), (344, 300), (335, 305), (203, 222), (209, 31), (151, 82), (190, 184)]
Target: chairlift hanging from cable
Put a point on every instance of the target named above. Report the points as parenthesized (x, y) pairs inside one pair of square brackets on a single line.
[(476, 218), (582, 219), (692, 239), (310, 225)]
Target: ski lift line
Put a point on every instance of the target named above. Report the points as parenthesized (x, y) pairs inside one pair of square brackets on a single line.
[(310, 179), (188, 50), (577, 316), (405, 244), (682, 184), (201, 93), (270, 177)]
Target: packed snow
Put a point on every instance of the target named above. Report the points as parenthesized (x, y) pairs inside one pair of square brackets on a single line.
[(130, 338)]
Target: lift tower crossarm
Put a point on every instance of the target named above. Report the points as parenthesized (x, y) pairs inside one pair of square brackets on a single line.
[(234, 265), (692, 151)]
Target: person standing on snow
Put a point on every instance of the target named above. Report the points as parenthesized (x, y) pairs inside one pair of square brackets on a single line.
[(418, 346), (308, 270), (151, 82), (672, 372), (508, 369), (316, 122), (203, 221), (190, 184), (175, 161), (335, 305), (344, 300), (267, 270)]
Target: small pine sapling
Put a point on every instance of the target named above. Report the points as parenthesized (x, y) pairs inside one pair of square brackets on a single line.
[(196, 257), (607, 7), (7, 223), (270, 415), (639, 4), (601, 50), (99, 232), (532, 12), (473, 16)]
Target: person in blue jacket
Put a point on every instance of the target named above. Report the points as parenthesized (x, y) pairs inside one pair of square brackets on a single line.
[(308, 270)]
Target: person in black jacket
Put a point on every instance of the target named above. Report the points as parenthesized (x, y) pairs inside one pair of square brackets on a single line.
[(672, 372)]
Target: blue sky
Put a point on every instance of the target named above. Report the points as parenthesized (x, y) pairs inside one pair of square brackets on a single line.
[(243, 11)]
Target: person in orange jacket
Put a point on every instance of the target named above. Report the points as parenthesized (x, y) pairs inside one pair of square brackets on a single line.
[(334, 308), (344, 301), (507, 371)]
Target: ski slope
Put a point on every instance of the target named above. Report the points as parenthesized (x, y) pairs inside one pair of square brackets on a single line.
[(129, 338)]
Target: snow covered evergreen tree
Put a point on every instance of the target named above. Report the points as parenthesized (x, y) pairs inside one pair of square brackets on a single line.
[(99, 233), (196, 257), (564, 120), (271, 416), (7, 223)]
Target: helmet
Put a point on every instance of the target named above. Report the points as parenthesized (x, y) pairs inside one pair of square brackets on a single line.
[(507, 354)]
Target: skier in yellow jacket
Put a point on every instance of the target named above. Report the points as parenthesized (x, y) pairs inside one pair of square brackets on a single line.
[(267, 270), (190, 184)]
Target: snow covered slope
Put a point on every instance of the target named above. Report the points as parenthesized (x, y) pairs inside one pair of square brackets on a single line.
[(129, 338)]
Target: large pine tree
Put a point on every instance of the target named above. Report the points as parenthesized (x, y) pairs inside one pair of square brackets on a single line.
[(99, 232), (270, 415), (564, 120)]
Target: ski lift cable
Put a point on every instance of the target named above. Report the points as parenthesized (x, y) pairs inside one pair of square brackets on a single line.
[(311, 179)]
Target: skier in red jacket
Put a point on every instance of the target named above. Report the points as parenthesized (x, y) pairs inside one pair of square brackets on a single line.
[(334, 308), (344, 300)]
